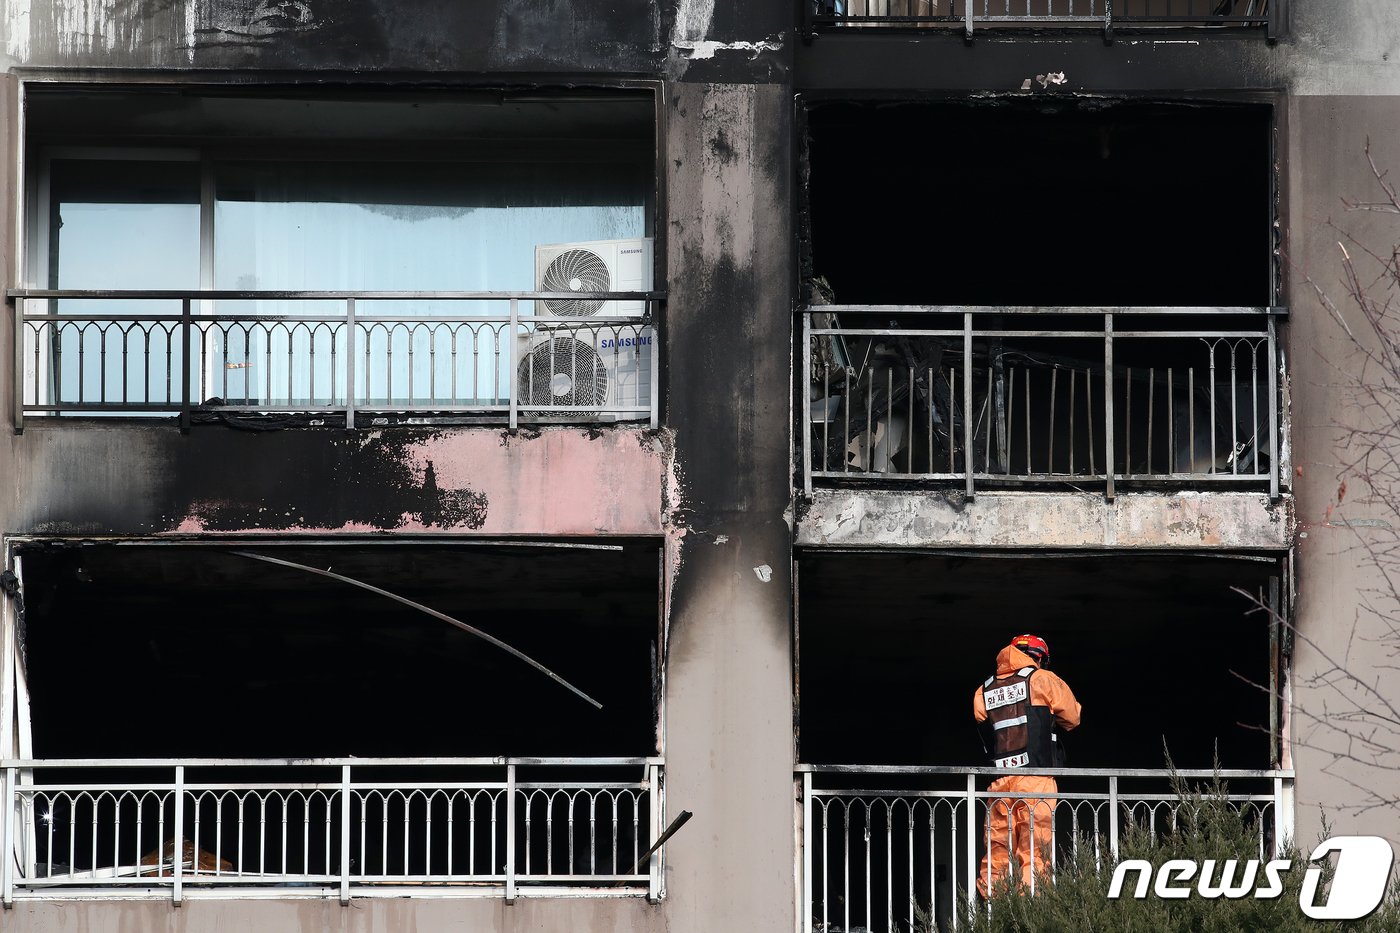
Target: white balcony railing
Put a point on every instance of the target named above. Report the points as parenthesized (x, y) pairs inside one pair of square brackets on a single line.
[(1105, 15), (1023, 397), (362, 827), (497, 357), (884, 844)]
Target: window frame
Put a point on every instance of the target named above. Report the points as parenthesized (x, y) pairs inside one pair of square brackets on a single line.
[(34, 153)]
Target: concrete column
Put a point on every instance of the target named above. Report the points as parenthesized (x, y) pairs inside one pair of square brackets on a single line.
[(729, 735)]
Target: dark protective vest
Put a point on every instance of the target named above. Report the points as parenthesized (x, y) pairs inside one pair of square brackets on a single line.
[(1015, 733)]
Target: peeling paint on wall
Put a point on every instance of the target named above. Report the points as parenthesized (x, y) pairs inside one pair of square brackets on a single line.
[(555, 482), (393, 487), (672, 502), (702, 49), (1047, 520)]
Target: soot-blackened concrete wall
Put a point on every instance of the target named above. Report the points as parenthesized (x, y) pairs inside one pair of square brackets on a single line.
[(109, 478), (729, 740), (475, 36)]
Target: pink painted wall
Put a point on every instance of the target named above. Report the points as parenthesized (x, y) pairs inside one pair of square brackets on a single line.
[(559, 483)]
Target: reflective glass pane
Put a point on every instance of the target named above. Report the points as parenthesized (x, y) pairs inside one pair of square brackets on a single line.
[(117, 224), (411, 226), (124, 224), (402, 226)]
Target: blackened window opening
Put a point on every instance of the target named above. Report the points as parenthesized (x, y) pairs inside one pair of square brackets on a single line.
[(167, 652), (1042, 204), (1165, 656)]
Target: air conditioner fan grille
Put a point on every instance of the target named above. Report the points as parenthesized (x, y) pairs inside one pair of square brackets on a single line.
[(575, 270), (562, 371)]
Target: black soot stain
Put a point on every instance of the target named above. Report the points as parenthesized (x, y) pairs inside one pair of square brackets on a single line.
[(313, 480)]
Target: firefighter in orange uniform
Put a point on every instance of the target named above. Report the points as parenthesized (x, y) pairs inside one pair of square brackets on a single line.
[(1019, 709)]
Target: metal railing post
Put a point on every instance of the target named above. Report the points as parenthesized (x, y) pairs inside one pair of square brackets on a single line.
[(654, 823), (967, 18), (655, 350), (1283, 813), (1274, 465), (1113, 817), (804, 399), (807, 852), (7, 839), (512, 383), (177, 891), (510, 798), (971, 848), (1108, 403), (350, 358), (185, 326), (1032, 807), (344, 835), (19, 367), (967, 396)]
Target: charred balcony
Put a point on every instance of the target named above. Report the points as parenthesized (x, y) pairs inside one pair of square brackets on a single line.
[(970, 16), (1069, 294), (195, 723), (891, 647), (1051, 397)]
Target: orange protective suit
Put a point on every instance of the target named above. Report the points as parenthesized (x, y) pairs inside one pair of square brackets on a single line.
[(1022, 825)]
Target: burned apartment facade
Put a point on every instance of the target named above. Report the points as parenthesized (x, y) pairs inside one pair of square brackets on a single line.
[(755, 371)]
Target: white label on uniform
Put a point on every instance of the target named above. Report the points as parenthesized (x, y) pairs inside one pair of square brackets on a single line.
[(1015, 761), (1004, 696)]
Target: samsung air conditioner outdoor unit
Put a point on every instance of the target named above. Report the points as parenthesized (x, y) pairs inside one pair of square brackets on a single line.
[(597, 266), (601, 372)]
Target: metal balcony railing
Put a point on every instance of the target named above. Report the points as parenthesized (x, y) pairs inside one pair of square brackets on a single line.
[(881, 845), (492, 356), (971, 396), (360, 827), (1104, 15)]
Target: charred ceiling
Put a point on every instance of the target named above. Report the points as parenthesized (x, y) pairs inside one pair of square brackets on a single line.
[(938, 61), (1021, 203), (451, 121)]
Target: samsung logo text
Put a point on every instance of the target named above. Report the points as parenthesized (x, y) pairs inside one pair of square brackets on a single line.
[(1357, 889), (608, 343)]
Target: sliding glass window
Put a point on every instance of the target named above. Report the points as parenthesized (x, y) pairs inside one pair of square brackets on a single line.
[(260, 221), (117, 223)]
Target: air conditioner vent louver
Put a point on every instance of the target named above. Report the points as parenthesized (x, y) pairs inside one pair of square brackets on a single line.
[(576, 270), (562, 371)]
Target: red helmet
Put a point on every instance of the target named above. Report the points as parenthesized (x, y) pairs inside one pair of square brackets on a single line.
[(1033, 646)]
